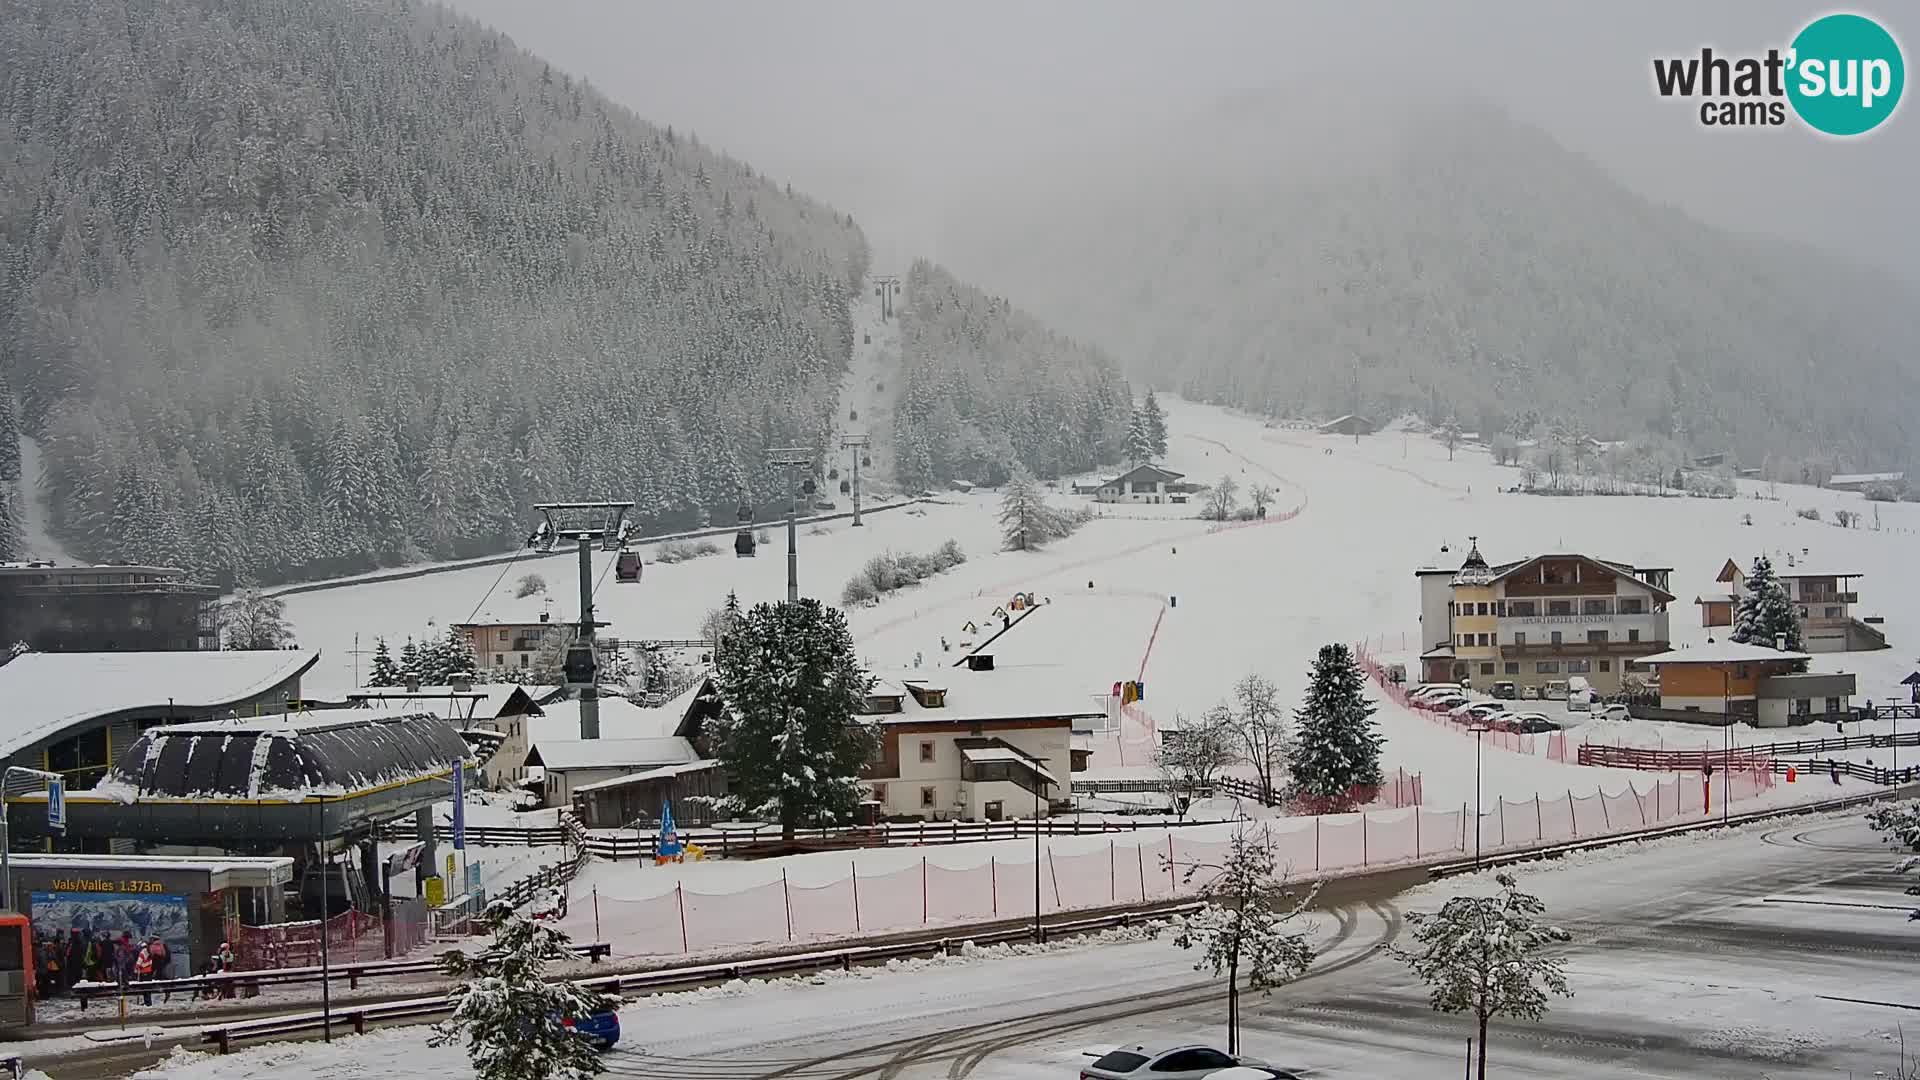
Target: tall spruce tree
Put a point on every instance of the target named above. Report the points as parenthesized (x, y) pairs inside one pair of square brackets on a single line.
[(1156, 424), (458, 648), (789, 731), (1026, 521), (385, 672), (1337, 742), (1766, 612), (1139, 442), (409, 661)]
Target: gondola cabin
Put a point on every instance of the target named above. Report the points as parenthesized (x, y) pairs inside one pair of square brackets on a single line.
[(16, 971), (743, 543), (626, 568)]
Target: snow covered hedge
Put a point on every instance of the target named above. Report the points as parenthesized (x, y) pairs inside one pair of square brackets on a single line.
[(889, 571), (675, 551)]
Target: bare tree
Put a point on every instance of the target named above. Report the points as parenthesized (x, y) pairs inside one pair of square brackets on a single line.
[(1485, 955), (1243, 926), (1221, 498), (1261, 495), (1193, 754), (1261, 723), (254, 620)]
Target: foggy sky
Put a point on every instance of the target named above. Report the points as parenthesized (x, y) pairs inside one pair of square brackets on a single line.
[(895, 110)]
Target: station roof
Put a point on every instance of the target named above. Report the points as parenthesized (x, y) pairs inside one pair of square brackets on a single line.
[(48, 693), (287, 758), (1724, 652)]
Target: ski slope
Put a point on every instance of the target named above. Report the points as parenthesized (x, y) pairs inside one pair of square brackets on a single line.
[(1219, 603)]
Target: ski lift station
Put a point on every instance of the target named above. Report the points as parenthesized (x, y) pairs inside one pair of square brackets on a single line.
[(177, 754)]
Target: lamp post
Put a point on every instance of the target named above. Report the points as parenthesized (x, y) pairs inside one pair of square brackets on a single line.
[(6, 835), (1478, 731), (1039, 805), (1726, 751), (326, 903)]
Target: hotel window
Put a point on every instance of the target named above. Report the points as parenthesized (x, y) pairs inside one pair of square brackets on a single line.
[(926, 750), (1487, 669), (1559, 607), (1632, 605), (1594, 607), (927, 796), (1500, 608), (1483, 639), (1833, 705), (1579, 667), (1633, 635), (1596, 637), (1483, 610), (1513, 667), (1523, 609), (1832, 612), (1520, 638), (1547, 667), (1803, 707), (1556, 637), (503, 634), (1606, 665)]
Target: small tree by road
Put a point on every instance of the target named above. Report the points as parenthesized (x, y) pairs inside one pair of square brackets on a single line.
[(1247, 923), (512, 1018), (1486, 955)]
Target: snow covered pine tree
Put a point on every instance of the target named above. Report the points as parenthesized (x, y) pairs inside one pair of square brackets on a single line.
[(1336, 742), (789, 730), (1766, 612), (1026, 521), (1243, 925), (385, 672), (1156, 425), (1900, 824), (1482, 955), (1139, 439), (512, 1017)]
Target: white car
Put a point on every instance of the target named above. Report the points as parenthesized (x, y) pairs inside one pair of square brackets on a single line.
[(1612, 712), (1255, 1072), (1192, 1061), (1476, 709)]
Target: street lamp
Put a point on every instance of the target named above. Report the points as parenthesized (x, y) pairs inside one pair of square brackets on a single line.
[(1039, 804), (1478, 730), (1726, 752)]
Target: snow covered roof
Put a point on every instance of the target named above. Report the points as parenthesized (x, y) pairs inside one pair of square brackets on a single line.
[(981, 754), (483, 701), (288, 758), (564, 754), (1009, 693), (619, 719), (1146, 472), (1470, 575), (1866, 478), (1723, 652), (662, 773), (46, 693)]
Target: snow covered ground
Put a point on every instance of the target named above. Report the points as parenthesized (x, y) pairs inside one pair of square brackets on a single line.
[(1196, 607), (1701, 956)]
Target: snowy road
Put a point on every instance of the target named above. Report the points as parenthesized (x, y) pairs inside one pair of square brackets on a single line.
[(1698, 956)]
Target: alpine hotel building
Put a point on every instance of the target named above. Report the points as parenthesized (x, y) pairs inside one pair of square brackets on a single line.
[(1540, 620)]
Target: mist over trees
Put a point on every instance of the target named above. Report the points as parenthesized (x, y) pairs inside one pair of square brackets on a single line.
[(984, 385), (1450, 261), (289, 289)]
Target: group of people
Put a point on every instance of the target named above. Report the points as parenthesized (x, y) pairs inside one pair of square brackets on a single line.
[(98, 956)]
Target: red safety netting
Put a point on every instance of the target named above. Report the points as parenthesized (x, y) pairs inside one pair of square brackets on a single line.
[(895, 900), (821, 911), (715, 920), (957, 895)]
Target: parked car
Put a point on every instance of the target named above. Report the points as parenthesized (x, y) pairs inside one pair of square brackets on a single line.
[(1425, 690), (1506, 691), (1555, 691), (1476, 710), (1256, 1072), (1532, 723), (1192, 1061), (601, 1029), (1443, 704), (1612, 712), (1529, 693)]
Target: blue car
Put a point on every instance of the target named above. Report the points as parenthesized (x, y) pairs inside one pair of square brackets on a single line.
[(600, 1029)]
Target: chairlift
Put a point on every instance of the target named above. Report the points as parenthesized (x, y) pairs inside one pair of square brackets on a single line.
[(627, 567), (808, 487), (846, 487), (866, 459), (745, 513), (743, 543), (833, 473)]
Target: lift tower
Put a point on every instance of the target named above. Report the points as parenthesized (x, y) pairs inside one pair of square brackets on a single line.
[(584, 523)]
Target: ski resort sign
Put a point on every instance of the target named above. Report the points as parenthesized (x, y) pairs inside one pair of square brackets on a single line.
[(1842, 75)]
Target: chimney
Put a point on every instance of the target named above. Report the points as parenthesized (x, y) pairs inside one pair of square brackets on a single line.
[(462, 681), (1780, 643), (543, 616), (413, 683)]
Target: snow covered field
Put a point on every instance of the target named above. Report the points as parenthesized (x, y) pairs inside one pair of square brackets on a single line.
[(1702, 956), (1190, 608)]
